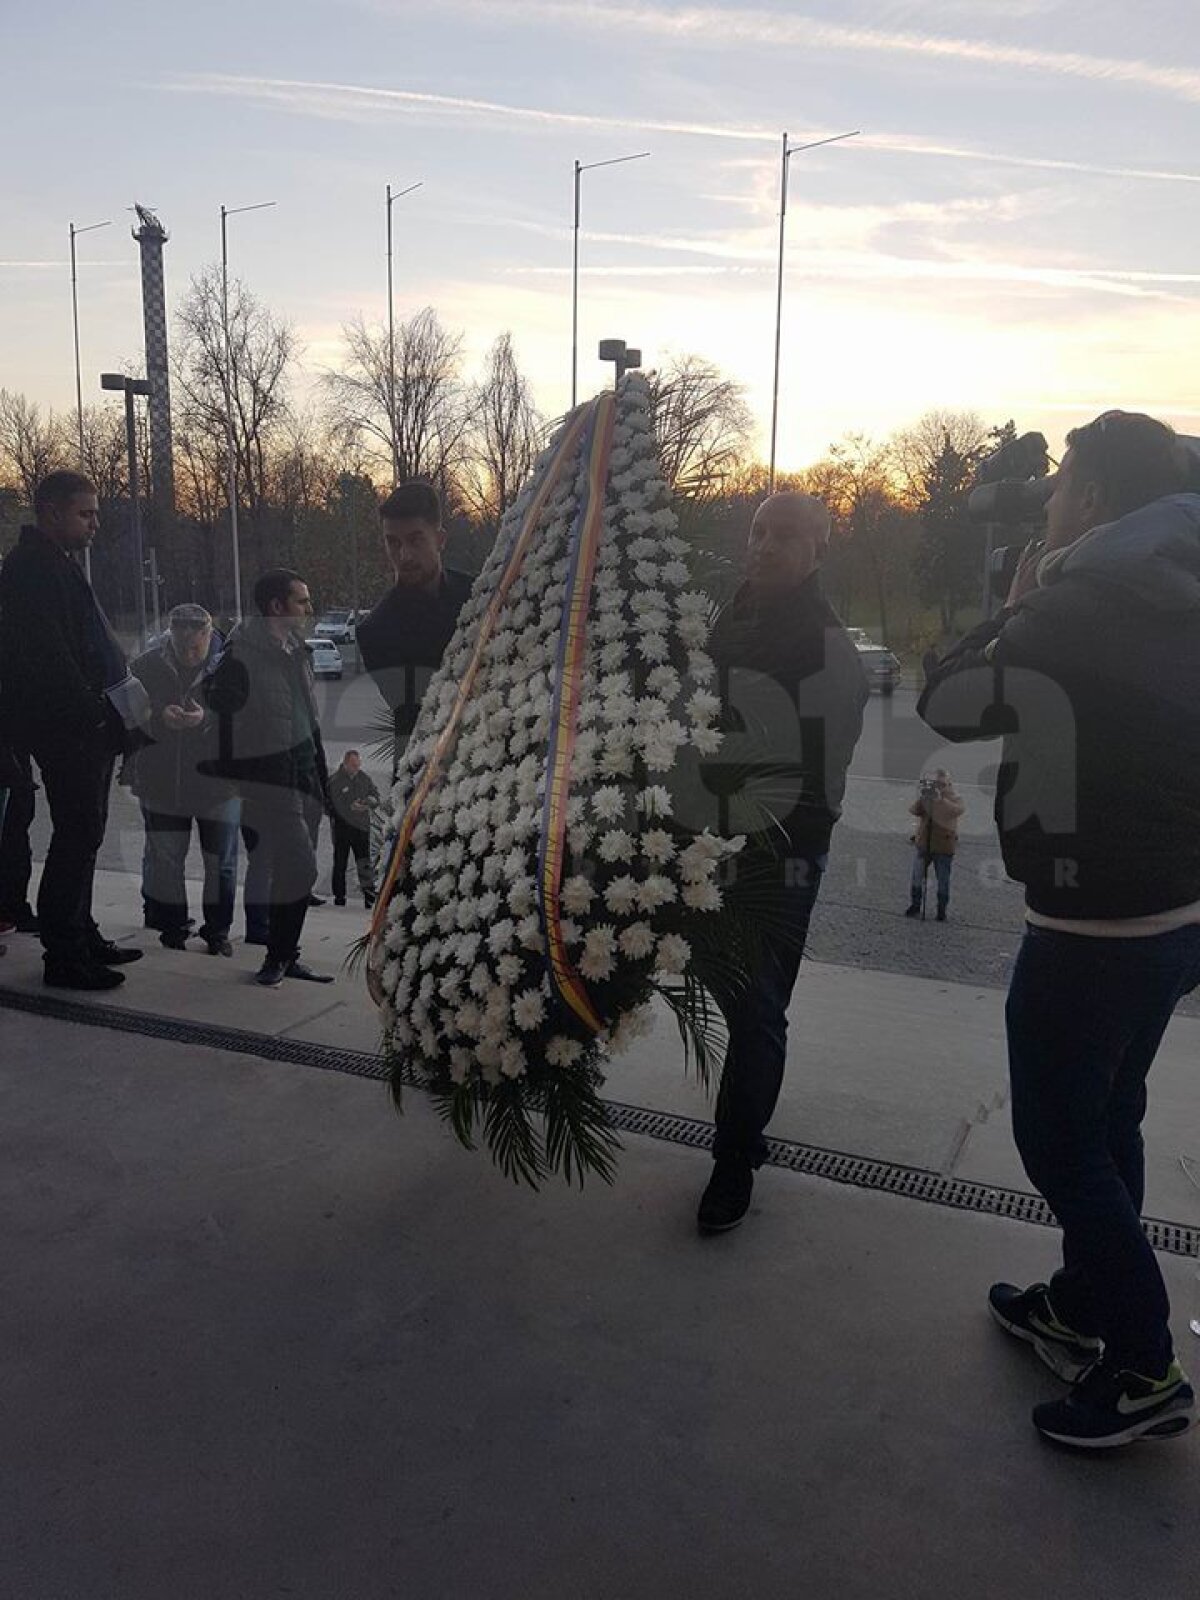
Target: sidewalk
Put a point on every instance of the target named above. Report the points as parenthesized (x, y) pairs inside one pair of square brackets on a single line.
[(901, 1069), (263, 1338)]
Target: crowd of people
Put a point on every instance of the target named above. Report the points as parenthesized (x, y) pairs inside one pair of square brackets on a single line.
[(217, 736), (1090, 673)]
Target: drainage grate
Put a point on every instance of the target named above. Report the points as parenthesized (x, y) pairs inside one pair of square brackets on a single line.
[(862, 1172)]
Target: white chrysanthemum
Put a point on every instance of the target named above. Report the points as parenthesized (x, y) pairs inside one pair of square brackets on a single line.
[(636, 941), (528, 1010), (701, 896), (706, 740), (599, 947), (655, 801), (616, 845), (577, 895), (608, 803), (562, 1052), (658, 845), (621, 895), (655, 891), (509, 969)]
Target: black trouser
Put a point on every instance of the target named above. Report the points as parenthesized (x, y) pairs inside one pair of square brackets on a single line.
[(16, 858), (349, 841), (77, 784), (278, 837), (757, 1016)]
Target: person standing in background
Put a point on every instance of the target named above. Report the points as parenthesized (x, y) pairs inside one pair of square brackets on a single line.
[(935, 839), (352, 798)]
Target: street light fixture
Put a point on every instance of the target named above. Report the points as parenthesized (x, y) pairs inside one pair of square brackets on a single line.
[(788, 152), (131, 386), (75, 232), (580, 169), (231, 474), (391, 200)]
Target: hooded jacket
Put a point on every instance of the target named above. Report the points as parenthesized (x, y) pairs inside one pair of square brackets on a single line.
[(1093, 681)]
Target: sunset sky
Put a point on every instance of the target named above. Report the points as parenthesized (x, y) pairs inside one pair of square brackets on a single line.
[(1017, 230)]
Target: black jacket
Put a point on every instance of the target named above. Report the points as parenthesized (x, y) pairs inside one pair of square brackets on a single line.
[(268, 734), (346, 790), (57, 654), (164, 772), (793, 691), (403, 641), (1093, 681)]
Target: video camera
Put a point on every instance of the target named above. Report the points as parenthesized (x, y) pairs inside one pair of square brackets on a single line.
[(1013, 486)]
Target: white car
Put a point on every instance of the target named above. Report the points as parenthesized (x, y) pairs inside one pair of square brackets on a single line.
[(326, 658), (337, 626)]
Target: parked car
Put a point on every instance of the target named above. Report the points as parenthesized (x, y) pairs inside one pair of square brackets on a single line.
[(882, 668), (336, 625), (326, 658)]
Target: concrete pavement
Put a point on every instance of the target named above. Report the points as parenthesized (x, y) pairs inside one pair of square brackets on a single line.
[(262, 1338)]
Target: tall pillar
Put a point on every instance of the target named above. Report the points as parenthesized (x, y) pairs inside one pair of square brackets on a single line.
[(151, 237)]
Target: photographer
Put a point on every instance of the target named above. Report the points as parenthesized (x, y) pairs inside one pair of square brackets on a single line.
[(937, 808), (1091, 673)]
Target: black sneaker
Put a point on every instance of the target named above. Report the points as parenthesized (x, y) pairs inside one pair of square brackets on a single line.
[(174, 939), (941, 913), (339, 899), (1109, 1407), (270, 974), (80, 975), (297, 969), (726, 1201), (315, 900), (218, 944), (1027, 1314), (914, 910), (25, 921), (105, 953)]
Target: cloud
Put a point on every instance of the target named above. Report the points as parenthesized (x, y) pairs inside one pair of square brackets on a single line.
[(352, 102), (719, 27)]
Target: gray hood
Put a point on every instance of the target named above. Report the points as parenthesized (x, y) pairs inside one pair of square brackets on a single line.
[(1152, 556)]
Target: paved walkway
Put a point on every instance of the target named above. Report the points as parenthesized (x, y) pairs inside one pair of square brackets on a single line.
[(262, 1338)]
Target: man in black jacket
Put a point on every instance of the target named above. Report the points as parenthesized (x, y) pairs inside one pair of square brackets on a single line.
[(174, 794), (404, 638), (352, 798), (59, 662), (269, 746), (1091, 673), (788, 668)]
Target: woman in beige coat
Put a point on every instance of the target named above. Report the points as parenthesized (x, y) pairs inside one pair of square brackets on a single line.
[(937, 809)]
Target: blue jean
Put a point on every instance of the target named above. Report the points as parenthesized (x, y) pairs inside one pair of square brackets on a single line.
[(757, 1019), (164, 891), (941, 865), (1085, 1019)]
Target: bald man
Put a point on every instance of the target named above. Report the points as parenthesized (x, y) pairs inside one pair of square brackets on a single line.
[(793, 691)]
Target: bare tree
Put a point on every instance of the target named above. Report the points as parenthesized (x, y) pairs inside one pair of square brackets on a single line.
[(30, 445), (503, 437), (418, 428), (261, 354), (916, 450), (703, 425), (864, 501)]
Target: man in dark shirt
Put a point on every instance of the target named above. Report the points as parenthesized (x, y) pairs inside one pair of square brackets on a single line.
[(60, 666), (786, 667), (404, 638), (352, 798)]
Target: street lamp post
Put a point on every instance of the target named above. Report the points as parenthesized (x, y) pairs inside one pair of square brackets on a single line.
[(75, 232), (788, 152), (231, 463), (130, 387), (580, 169), (391, 200)]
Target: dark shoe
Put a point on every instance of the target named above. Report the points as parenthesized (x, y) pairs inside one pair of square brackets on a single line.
[(727, 1199), (153, 925), (914, 910), (941, 914), (369, 901), (315, 900), (255, 938), (297, 969), (25, 922), (218, 944), (339, 900), (80, 975), (1109, 1407), (176, 939), (107, 954), (1028, 1315), (270, 974)]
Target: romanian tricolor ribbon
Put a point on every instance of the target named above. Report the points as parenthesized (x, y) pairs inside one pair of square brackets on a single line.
[(568, 685), (434, 767)]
